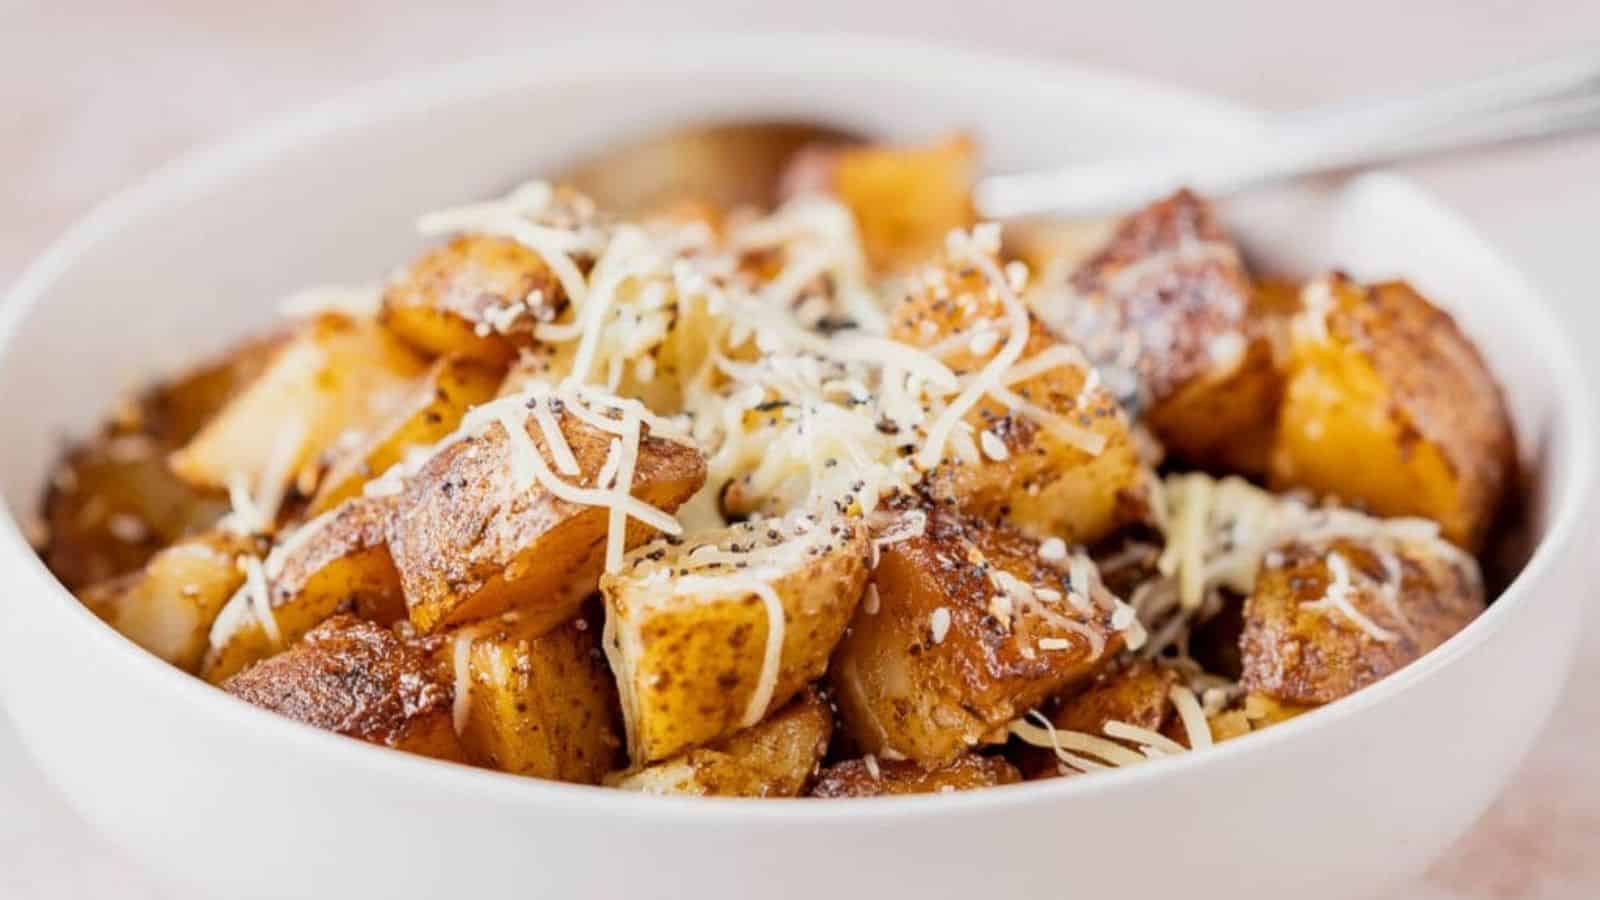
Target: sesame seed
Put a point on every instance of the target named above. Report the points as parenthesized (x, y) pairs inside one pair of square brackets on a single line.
[(1053, 550), (939, 624)]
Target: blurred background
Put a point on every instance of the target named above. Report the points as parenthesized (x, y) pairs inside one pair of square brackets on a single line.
[(95, 93)]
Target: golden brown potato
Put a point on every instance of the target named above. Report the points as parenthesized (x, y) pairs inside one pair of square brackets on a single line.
[(469, 545), (708, 634), (905, 199), (168, 607), (1327, 618), (336, 563), (775, 758), (970, 629), (1076, 475), (1136, 694), (175, 410), (539, 703), (357, 679), (453, 385), (881, 778), (1167, 310), (1253, 713), (1389, 406), (478, 296), (336, 375)]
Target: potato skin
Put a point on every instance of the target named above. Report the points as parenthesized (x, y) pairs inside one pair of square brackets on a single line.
[(442, 302), (168, 607), (452, 385), (468, 547), (542, 702), (1309, 656), (775, 758), (1171, 286), (360, 680), (689, 664), (340, 564), (1136, 694), (902, 691), (854, 778), (1390, 406), (1047, 485)]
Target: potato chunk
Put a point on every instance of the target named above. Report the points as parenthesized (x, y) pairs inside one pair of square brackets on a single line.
[(168, 607), (1136, 694), (360, 680), (775, 758), (1167, 310), (1065, 463), (478, 296), (882, 778), (905, 199), (708, 634), (540, 703), (1329, 617), (1389, 406), (336, 375), (453, 385), (469, 544), (336, 563), (971, 629)]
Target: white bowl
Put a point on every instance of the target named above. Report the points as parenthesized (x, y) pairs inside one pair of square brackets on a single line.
[(239, 803)]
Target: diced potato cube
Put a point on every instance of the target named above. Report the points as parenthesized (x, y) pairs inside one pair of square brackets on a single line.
[(453, 385), (775, 758), (469, 545), (882, 778), (336, 563), (1136, 694), (1389, 406), (905, 199), (360, 680), (708, 634), (477, 296), (971, 629), (540, 704), (168, 607), (336, 375)]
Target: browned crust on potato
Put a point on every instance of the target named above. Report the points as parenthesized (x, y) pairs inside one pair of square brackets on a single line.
[(856, 778), (1137, 694), (356, 679)]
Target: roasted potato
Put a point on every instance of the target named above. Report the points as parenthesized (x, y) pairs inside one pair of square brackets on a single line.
[(775, 758), (469, 545), (478, 296), (881, 778), (175, 410), (1253, 713), (336, 375), (1072, 472), (1167, 310), (168, 607), (360, 680), (453, 385), (708, 634), (1329, 617), (336, 563), (1389, 406), (539, 702), (905, 199), (965, 629), (1136, 694)]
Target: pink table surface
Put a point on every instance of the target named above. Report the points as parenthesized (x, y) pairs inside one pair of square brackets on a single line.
[(97, 92)]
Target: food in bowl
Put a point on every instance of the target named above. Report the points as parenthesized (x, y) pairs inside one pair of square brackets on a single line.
[(849, 497)]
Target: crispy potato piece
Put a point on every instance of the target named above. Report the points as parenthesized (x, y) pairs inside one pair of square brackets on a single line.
[(1167, 310), (335, 375), (882, 778), (1302, 645), (1390, 406), (478, 296), (1255, 712), (168, 607), (336, 563), (360, 680), (469, 546), (1136, 694), (775, 758), (691, 634), (1048, 481), (453, 385), (540, 703), (905, 199), (961, 641), (175, 410)]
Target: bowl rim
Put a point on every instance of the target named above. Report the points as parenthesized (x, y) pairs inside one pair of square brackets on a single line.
[(214, 164)]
